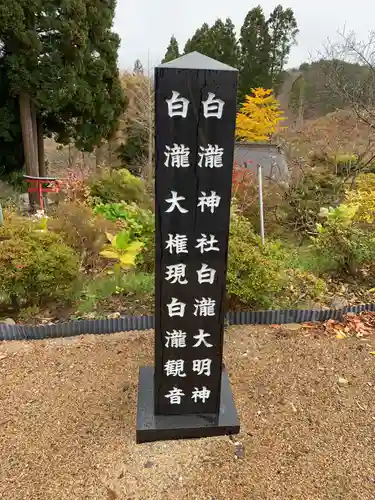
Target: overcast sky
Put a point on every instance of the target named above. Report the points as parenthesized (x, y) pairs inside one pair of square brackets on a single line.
[(145, 26)]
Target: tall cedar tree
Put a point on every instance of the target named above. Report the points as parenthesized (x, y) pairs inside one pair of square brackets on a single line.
[(61, 62), (261, 52), (255, 53), (96, 98), (201, 41), (282, 27), (218, 41), (172, 50), (224, 43)]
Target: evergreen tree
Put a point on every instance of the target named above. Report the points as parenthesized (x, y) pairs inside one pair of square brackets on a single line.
[(172, 50), (218, 41), (201, 41), (61, 62), (282, 26), (11, 147), (138, 68), (255, 53), (224, 43), (96, 98)]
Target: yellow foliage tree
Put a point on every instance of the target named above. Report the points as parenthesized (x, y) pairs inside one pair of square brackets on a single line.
[(363, 197), (259, 116)]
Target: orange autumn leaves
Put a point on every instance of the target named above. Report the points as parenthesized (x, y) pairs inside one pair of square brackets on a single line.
[(259, 116)]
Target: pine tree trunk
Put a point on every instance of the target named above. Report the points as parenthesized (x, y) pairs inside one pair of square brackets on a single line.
[(31, 160), (40, 141)]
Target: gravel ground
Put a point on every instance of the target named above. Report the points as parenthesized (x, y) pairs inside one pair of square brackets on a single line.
[(306, 404)]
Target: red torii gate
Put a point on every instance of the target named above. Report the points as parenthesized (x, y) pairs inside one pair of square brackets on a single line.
[(42, 185)]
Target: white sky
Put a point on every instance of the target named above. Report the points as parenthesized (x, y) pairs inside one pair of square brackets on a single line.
[(145, 26)]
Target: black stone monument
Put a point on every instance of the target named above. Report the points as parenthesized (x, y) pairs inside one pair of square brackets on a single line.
[(188, 393)]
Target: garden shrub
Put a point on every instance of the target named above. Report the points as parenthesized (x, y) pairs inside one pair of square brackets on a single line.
[(255, 272), (304, 199), (363, 197), (261, 276), (348, 244), (35, 265), (113, 186), (82, 230), (8, 196), (140, 223), (75, 185)]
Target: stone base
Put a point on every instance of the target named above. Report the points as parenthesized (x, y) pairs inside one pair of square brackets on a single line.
[(151, 427)]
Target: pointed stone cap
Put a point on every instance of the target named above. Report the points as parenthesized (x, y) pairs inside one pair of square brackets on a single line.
[(196, 60)]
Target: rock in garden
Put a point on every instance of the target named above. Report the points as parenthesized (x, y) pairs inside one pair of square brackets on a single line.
[(338, 302)]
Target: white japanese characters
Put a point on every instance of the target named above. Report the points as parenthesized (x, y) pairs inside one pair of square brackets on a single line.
[(207, 244), (200, 395), (174, 202), (176, 308), (210, 201), (177, 243), (175, 339), (175, 396), (204, 307), (202, 366), (176, 274), (177, 156), (174, 368), (178, 339), (201, 339), (177, 105), (213, 108), (211, 156), (206, 274)]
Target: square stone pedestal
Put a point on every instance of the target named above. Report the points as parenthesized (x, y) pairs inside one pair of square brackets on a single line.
[(151, 427)]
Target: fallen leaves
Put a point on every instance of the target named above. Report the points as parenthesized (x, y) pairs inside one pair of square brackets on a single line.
[(360, 325)]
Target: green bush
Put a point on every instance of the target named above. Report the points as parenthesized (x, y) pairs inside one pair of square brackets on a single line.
[(346, 243), (35, 265), (139, 222), (82, 230), (113, 186), (261, 276), (255, 272), (8, 196)]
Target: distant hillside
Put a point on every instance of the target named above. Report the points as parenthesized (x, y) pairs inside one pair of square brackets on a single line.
[(333, 134), (313, 94)]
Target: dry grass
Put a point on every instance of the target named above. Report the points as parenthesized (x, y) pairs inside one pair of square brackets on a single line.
[(67, 422)]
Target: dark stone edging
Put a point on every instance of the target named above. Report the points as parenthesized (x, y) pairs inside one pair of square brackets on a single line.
[(129, 323)]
